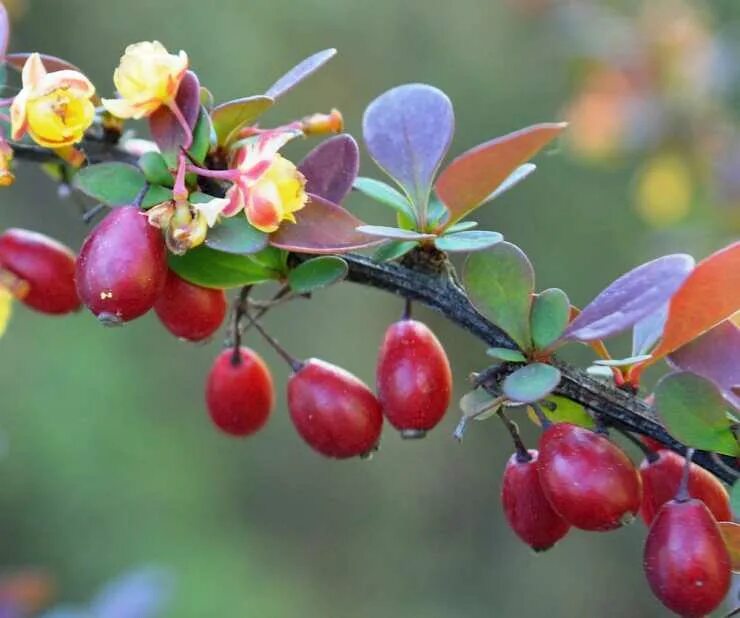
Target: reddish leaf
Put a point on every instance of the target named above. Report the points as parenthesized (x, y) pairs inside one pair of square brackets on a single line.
[(710, 295), (466, 182), (300, 72), (716, 356), (322, 227), (331, 168), (4, 30), (165, 129)]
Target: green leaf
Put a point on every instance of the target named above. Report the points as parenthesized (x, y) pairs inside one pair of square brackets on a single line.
[(114, 184), (154, 195), (735, 498), (437, 213), (236, 235), (395, 233), (695, 413), (202, 134), (386, 195), (316, 273), (216, 269), (463, 226), (506, 355), (231, 116), (394, 250), (561, 410), (550, 315), (155, 169), (273, 259), (468, 241), (531, 383), (478, 404), (500, 283)]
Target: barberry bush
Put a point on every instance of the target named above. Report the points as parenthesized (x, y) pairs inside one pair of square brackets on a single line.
[(209, 203)]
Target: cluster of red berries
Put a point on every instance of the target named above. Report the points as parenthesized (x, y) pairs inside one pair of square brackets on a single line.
[(580, 479), (121, 273), (336, 413)]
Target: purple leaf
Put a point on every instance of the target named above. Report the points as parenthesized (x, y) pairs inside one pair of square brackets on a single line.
[(715, 355), (331, 168), (322, 227), (630, 298), (4, 30), (165, 129), (407, 131), (300, 72)]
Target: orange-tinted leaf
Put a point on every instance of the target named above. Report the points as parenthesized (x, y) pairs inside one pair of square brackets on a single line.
[(322, 227), (466, 182), (731, 535), (710, 295)]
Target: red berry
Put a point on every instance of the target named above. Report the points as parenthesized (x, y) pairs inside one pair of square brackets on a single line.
[(686, 562), (122, 266), (334, 411), (527, 509), (239, 395), (414, 378), (589, 481), (45, 266), (661, 478), (190, 311)]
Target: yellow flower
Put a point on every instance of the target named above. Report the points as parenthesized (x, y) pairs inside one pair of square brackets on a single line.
[(53, 108), (147, 77), (270, 188), (6, 304)]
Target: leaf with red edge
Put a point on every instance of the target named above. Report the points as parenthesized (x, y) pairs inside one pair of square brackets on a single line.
[(630, 298), (164, 126), (473, 176), (710, 295), (331, 168), (231, 116), (407, 131), (714, 355), (300, 72), (4, 31), (322, 227)]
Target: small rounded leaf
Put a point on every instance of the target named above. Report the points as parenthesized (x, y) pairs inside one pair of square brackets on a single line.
[(550, 314), (113, 183), (531, 383), (316, 273)]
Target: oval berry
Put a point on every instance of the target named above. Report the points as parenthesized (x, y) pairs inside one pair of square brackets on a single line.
[(661, 478), (526, 508), (589, 481), (686, 562), (334, 411), (190, 311), (45, 267), (122, 266), (239, 392), (413, 378)]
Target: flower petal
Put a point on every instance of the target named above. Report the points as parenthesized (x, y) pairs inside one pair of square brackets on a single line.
[(263, 207), (6, 309), (212, 209), (33, 71)]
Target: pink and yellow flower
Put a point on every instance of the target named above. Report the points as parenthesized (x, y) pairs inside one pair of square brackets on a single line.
[(269, 188), (55, 108), (147, 77)]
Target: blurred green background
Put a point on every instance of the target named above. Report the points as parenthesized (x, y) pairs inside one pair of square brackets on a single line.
[(108, 458)]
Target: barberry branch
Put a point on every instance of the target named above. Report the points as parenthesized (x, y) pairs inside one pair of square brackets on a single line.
[(439, 290)]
